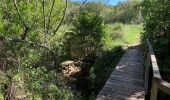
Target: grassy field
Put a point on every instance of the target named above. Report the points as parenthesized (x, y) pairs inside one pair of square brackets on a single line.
[(132, 33), (121, 34)]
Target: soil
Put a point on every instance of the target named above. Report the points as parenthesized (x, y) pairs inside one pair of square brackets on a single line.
[(70, 72)]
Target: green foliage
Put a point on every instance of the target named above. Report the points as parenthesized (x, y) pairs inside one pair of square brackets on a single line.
[(88, 30), (126, 12), (30, 63), (36, 85), (116, 31), (87, 24), (129, 12), (98, 68), (156, 15), (31, 13), (132, 33), (125, 34)]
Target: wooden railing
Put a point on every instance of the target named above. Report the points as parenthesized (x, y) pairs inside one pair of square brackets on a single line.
[(157, 81)]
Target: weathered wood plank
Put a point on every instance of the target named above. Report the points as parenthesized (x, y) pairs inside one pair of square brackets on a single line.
[(165, 86), (147, 72), (125, 96), (155, 68), (154, 90), (127, 82), (117, 87), (132, 86), (125, 78)]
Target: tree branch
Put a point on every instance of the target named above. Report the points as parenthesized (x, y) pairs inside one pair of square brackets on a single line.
[(49, 18), (64, 13), (61, 21), (44, 22), (80, 6), (26, 28), (34, 44)]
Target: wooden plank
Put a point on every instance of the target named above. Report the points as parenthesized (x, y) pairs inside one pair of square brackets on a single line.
[(130, 76), (129, 64), (127, 82), (125, 78), (164, 86), (125, 96), (119, 87), (133, 86), (128, 72), (147, 73), (153, 61), (125, 93), (154, 90), (129, 69), (102, 97)]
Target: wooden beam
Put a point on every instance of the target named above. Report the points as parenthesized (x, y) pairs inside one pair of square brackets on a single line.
[(154, 90), (164, 86), (153, 61), (147, 66)]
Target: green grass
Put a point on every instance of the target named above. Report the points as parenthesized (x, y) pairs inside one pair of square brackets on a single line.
[(130, 35)]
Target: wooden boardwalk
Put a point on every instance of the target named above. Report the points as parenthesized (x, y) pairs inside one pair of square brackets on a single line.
[(127, 80)]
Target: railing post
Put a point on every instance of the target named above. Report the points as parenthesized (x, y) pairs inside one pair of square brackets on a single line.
[(154, 90), (147, 72)]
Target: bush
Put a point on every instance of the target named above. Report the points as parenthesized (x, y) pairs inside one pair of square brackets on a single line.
[(88, 29), (116, 31)]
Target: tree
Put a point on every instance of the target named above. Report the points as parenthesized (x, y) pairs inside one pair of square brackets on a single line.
[(25, 32), (88, 29), (157, 25)]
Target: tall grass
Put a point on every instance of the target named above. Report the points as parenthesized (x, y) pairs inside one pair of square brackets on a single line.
[(132, 33), (124, 35)]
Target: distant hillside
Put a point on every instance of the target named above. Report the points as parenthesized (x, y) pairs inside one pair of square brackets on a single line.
[(125, 12)]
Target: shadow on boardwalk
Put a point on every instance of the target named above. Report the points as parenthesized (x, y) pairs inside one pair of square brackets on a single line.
[(126, 82)]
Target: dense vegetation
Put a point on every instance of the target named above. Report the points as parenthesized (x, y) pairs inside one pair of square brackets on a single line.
[(157, 29), (37, 36)]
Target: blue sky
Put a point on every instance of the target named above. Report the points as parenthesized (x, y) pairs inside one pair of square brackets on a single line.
[(109, 2)]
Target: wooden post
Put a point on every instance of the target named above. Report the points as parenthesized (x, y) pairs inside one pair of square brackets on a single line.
[(147, 72), (154, 90)]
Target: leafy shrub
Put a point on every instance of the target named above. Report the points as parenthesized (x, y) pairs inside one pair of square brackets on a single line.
[(116, 31), (88, 30)]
